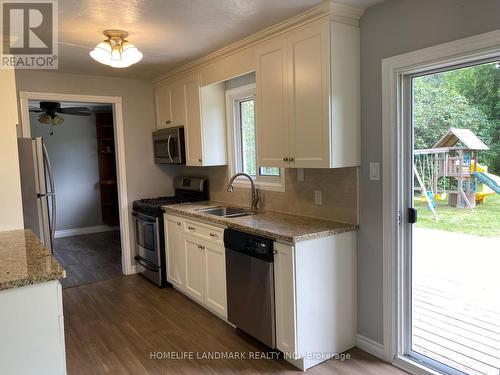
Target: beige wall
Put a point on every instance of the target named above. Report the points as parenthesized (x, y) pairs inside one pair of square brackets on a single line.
[(144, 178), (338, 186), (11, 214)]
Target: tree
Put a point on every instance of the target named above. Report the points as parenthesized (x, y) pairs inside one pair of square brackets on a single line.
[(465, 98)]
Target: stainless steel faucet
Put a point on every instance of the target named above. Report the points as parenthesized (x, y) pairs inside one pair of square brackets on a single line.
[(255, 192)]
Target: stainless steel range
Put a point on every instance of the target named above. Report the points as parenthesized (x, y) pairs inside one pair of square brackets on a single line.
[(149, 228)]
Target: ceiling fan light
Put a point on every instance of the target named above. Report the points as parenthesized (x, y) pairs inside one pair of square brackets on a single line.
[(57, 120), (44, 119)]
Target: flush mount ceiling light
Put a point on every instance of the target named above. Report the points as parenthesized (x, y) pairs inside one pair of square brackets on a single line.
[(115, 50)]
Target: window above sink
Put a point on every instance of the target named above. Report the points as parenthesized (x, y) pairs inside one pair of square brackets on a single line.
[(242, 147)]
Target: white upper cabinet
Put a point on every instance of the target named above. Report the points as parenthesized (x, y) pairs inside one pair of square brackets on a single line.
[(202, 112), (163, 107), (319, 82), (178, 104), (271, 103), (193, 130), (309, 95), (170, 105)]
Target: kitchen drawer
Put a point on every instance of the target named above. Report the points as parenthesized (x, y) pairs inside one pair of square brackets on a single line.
[(204, 231)]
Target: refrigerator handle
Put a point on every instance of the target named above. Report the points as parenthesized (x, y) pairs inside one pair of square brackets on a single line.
[(52, 194)]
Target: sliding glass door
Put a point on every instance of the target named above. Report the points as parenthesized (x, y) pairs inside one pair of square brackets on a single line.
[(451, 291)]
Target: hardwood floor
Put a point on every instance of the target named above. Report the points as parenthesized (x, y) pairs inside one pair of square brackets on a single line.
[(89, 258), (115, 326)]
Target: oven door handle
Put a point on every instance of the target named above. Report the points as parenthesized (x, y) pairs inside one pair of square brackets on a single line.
[(145, 218), (147, 265)]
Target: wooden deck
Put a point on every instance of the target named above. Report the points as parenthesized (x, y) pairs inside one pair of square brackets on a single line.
[(456, 300)]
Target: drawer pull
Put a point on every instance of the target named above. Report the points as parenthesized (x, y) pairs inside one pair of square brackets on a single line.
[(213, 235), (191, 228), (179, 223), (201, 247), (168, 122)]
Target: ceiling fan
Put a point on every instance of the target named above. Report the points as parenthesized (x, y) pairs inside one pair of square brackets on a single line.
[(49, 112)]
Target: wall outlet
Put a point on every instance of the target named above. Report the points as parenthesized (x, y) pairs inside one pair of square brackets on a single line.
[(374, 171), (318, 199), (300, 174)]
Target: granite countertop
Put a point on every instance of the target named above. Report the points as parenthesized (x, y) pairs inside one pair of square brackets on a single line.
[(24, 260), (275, 225)]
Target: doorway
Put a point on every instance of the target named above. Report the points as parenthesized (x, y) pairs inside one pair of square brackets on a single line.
[(454, 230), (79, 140), (110, 187)]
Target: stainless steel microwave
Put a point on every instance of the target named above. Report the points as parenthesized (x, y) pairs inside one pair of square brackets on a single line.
[(168, 146)]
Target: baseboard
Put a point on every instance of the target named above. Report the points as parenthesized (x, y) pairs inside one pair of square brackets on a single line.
[(84, 230), (368, 345)]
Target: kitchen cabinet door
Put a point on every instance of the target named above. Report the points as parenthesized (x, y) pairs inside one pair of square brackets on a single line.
[(284, 293), (215, 279), (195, 265), (178, 104), (193, 131), (163, 107), (309, 96), (176, 256), (272, 104)]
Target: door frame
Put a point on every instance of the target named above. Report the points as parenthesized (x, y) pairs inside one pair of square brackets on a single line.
[(116, 102), (395, 74)]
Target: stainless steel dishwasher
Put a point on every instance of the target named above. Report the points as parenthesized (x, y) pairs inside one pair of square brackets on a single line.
[(250, 285)]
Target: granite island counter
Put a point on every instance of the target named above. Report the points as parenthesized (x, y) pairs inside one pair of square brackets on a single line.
[(31, 314), (24, 260)]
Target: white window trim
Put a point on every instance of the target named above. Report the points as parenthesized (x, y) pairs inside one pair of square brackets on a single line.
[(394, 71), (273, 183)]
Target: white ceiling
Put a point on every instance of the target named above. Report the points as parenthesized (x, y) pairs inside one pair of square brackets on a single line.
[(168, 32)]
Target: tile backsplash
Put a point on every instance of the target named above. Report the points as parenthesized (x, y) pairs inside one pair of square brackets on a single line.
[(339, 188)]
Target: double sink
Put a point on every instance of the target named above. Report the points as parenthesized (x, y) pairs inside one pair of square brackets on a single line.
[(227, 211)]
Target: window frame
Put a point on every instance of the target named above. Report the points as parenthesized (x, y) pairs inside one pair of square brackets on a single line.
[(233, 98)]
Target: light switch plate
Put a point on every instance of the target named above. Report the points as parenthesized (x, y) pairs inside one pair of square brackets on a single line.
[(300, 174), (374, 171), (318, 199)]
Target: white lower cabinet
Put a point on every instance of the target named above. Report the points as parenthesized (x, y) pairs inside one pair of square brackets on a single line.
[(194, 268), (315, 293), (196, 262), (32, 330), (176, 253)]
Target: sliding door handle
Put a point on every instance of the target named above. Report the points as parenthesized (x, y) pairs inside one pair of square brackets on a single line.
[(412, 215)]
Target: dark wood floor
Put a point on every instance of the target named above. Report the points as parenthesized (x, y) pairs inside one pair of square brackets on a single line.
[(113, 326), (89, 258)]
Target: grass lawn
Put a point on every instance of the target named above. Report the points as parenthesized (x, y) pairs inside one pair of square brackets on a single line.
[(484, 220)]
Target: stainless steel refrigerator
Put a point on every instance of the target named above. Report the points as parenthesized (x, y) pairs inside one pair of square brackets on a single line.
[(38, 189)]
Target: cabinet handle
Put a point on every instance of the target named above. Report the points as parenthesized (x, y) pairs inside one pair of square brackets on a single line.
[(213, 235), (168, 122), (292, 159), (285, 159), (201, 247), (178, 223), (200, 160), (275, 252), (191, 228)]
